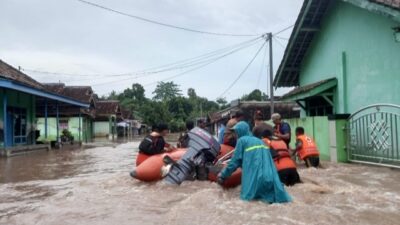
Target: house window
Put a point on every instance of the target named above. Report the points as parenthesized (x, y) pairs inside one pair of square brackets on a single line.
[(318, 106)]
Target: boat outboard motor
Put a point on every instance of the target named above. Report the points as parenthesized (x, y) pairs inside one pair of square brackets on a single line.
[(203, 148)]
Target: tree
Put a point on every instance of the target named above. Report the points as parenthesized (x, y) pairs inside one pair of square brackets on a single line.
[(255, 95), (136, 92), (166, 91), (191, 93)]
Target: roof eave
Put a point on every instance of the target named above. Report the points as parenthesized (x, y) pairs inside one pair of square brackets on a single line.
[(289, 47), (33, 91)]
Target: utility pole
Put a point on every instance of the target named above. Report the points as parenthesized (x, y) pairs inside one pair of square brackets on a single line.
[(271, 74)]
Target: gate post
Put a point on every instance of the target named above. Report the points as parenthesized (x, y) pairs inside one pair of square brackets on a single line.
[(337, 137)]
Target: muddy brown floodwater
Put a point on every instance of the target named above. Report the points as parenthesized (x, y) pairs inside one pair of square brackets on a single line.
[(93, 186)]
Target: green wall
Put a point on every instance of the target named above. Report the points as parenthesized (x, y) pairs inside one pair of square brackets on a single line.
[(21, 100), (101, 128), (315, 127), (73, 127), (359, 45)]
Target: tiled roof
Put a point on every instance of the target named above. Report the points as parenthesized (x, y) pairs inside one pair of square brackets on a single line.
[(126, 114), (391, 3), (10, 73), (107, 107), (81, 93)]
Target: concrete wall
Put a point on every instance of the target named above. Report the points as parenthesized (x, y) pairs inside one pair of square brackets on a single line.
[(358, 48)]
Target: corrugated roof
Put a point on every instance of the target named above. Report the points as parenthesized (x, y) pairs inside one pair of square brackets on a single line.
[(10, 73), (307, 24)]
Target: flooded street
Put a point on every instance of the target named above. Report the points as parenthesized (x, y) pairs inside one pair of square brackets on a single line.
[(93, 186)]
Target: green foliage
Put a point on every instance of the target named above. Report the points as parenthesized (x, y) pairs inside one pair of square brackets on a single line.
[(168, 105), (166, 91), (255, 95)]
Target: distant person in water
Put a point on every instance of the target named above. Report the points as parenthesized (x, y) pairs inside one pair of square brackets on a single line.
[(201, 123), (260, 179), (184, 138), (221, 131), (306, 148), (154, 143), (229, 135)]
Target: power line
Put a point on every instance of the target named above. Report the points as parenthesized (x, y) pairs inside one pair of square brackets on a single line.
[(283, 30), (186, 63), (279, 42), (202, 64), (282, 38), (164, 24), (243, 71), (261, 69)]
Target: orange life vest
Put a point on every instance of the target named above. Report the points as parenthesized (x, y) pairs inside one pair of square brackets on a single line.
[(283, 160), (308, 147)]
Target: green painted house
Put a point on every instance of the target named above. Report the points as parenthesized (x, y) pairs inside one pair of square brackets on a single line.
[(108, 114), (343, 57), (19, 97), (78, 121)]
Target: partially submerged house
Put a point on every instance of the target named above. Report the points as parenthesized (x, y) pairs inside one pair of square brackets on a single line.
[(78, 121), (343, 56), (19, 97), (108, 114)]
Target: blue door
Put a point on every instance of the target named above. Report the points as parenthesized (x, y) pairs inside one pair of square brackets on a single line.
[(10, 129)]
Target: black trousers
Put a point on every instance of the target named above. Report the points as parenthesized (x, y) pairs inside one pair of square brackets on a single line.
[(312, 161), (289, 176)]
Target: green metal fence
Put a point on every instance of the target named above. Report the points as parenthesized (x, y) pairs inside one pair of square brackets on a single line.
[(374, 135)]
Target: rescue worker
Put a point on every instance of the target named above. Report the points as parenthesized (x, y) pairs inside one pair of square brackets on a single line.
[(281, 129), (183, 140), (284, 164), (154, 143), (260, 180), (306, 148)]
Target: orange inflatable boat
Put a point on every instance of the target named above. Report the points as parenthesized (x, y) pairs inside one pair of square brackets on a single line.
[(150, 168), (236, 177)]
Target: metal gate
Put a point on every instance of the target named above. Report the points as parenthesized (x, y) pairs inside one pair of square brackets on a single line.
[(374, 135)]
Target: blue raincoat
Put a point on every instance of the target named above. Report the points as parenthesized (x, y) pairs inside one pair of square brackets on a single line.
[(260, 179)]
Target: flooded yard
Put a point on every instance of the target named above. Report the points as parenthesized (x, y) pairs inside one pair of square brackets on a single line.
[(93, 186)]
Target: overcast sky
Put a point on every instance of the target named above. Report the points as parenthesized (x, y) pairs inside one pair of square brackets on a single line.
[(67, 36)]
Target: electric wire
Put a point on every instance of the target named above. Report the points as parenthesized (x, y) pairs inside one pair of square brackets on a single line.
[(203, 64), (167, 67), (281, 31), (279, 42), (243, 71), (261, 69), (162, 23)]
